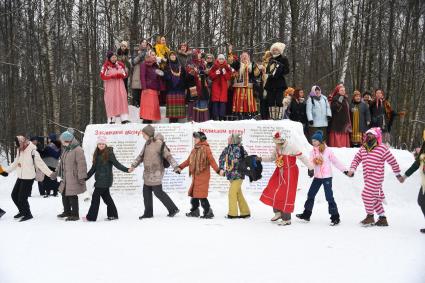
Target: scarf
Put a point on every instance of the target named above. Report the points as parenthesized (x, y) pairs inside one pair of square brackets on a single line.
[(198, 160), (370, 145)]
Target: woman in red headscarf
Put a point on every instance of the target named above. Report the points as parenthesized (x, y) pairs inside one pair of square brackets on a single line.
[(340, 126)]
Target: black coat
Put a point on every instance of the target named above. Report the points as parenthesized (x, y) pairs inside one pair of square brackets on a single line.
[(298, 112), (103, 169), (276, 69)]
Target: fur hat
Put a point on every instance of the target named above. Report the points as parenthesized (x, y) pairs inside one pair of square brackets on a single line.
[(235, 138), (318, 136), (200, 135), (125, 43), (149, 131), (278, 45), (101, 139)]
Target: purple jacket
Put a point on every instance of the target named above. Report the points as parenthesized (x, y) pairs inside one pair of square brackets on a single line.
[(148, 78)]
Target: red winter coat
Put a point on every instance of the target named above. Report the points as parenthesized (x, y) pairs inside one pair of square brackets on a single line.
[(219, 82)]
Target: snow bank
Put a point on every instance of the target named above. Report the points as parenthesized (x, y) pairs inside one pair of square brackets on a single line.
[(219, 250)]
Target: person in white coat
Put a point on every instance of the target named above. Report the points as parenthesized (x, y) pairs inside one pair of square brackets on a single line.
[(27, 160)]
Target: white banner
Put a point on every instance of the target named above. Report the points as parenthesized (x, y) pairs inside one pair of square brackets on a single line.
[(128, 142)]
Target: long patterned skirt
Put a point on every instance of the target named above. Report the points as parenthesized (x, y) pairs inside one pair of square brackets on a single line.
[(176, 105), (243, 100)]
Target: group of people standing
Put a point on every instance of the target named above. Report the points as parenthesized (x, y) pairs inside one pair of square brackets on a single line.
[(280, 192), (197, 86)]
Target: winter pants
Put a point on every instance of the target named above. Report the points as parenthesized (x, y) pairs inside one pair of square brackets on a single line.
[(105, 194), (70, 205), (204, 203), (136, 97), (236, 199), (218, 110), (161, 195), (312, 130), (421, 200), (50, 185), (41, 188), (20, 193), (314, 189), (285, 216), (275, 97), (373, 196)]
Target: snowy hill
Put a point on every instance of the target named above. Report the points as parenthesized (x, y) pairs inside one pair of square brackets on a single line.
[(161, 249)]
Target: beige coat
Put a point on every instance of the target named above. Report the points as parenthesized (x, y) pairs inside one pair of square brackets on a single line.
[(152, 161), (25, 165), (72, 169)]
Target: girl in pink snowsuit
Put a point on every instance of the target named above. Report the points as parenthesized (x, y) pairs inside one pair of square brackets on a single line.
[(373, 154)]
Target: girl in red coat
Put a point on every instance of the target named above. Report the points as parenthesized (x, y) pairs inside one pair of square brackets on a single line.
[(113, 72), (282, 187), (220, 74)]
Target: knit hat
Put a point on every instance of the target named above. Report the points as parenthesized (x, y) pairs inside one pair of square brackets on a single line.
[(375, 132), (53, 137), (221, 56), (33, 138), (278, 137), (318, 136), (125, 43), (278, 45), (200, 135), (235, 138), (68, 135), (149, 131), (109, 54), (101, 139)]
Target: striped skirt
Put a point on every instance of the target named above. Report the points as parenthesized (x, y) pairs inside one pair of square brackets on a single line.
[(243, 100), (176, 105), (200, 111)]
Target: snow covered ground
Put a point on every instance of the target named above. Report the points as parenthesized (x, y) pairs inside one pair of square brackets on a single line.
[(161, 249)]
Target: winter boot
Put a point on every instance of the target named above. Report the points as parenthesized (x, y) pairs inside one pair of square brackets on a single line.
[(368, 221), (304, 216), (111, 218), (245, 216), (19, 215), (422, 231), (208, 214), (72, 218), (277, 216), (25, 218), (2, 212), (335, 220), (173, 213), (63, 215), (382, 221), (284, 223), (145, 217), (231, 216), (193, 213)]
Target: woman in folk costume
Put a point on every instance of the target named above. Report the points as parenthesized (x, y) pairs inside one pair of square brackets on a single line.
[(198, 93), (151, 82), (281, 190), (419, 164), (360, 119), (244, 103), (199, 162), (162, 51), (220, 74), (184, 55), (175, 78), (382, 114), (340, 127), (373, 155), (276, 70), (115, 95)]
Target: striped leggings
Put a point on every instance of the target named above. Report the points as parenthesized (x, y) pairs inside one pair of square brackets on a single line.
[(372, 198)]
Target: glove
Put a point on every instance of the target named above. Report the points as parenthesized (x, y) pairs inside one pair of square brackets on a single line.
[(346, 173), (217, 72), (4, 174), (224, 71), (310, 123), (159, 72), (311, 173)]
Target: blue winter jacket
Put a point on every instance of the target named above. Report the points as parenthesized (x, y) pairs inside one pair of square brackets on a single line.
[(318, 111)]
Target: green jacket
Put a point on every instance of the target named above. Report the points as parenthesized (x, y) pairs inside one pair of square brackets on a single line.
[(103, 169)]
